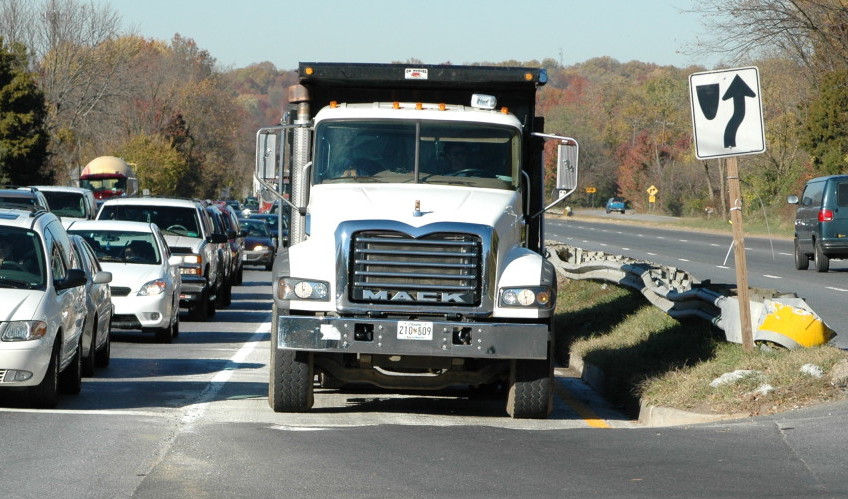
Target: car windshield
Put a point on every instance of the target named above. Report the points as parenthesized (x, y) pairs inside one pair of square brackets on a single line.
[(122, 246), (175, 220), (66, 204), (22, 263), (387, 151), (254, 228)]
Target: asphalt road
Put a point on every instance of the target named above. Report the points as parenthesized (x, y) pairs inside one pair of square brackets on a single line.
[(190, 419)]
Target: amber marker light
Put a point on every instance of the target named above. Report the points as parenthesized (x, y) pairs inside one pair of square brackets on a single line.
[(419, 106), (528, 76), (334, 104), (504, 110), (308, 70), (395, 105), (442, 106)]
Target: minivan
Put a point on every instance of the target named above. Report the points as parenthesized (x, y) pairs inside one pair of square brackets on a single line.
[(821, 222)]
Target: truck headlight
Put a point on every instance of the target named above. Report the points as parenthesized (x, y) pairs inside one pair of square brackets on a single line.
[(531, 296), (23, 330), (291, 288)]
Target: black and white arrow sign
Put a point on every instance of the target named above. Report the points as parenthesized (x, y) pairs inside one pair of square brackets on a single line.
[(727, 116)]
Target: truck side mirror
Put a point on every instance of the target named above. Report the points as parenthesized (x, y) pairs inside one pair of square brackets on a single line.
[(567, 152)]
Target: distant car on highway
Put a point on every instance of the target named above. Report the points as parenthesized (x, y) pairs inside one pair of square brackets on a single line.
[(616, 204)]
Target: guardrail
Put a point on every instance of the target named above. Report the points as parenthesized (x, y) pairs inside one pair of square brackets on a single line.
[(779, 318)]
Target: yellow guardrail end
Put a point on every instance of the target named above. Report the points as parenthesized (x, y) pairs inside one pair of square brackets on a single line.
[(801, 326)]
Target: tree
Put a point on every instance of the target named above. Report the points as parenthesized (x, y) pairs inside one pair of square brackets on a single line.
[(825, 133), (23, 136)]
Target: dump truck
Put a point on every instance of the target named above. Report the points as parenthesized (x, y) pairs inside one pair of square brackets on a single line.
[(416, 256)]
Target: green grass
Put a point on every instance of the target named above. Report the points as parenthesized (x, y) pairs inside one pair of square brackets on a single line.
[(647, 355)]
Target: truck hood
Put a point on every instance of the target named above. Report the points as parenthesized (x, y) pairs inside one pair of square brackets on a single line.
[(20, 304), (334, 203), (183, 242)]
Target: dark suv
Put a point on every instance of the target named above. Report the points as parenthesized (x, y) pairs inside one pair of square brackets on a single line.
[(821, 222)]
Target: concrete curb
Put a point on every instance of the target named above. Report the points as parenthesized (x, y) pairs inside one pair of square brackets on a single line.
[(649, 415)]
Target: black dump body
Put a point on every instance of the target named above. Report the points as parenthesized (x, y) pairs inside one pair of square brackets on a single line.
[(514, 88)]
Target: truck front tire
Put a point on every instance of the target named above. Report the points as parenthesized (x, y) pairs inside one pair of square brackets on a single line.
[(531, 389), (290, 388)]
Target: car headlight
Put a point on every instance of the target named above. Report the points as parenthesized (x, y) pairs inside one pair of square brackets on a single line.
[(23, 330), (191, 259), (153, 288), (260, 247), (531, 296), (291, 288)]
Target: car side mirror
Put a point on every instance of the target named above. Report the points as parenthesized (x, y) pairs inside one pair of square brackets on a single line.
[(792, 199), (75, 277), (243, 233), (231, 234), (218, 238), (102, 277)]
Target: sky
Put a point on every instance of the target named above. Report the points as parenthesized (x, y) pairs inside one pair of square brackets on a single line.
[(238, 33)]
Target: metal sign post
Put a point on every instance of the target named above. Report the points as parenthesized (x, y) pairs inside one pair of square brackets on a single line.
[(725, 126)]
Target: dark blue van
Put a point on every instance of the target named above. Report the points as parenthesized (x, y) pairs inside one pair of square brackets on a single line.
[(821, 222)]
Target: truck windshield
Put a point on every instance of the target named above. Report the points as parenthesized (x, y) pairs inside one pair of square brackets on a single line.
[(104, 184), (450, 153)]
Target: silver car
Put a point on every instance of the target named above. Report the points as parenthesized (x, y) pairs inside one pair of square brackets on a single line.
[(96, 344), (145, 277)]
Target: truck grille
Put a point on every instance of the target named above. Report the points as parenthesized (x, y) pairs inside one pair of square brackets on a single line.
[(441, 269)]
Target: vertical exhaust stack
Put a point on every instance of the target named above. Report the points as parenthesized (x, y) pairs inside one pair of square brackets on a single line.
[(299, 96)]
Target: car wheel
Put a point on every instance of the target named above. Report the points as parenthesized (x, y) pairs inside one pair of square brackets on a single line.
[(88, 360), (822, 261), (177, 325), (45, 395), (802, 261), (102, 357), (165, 334), (70, 380), (240, 275)]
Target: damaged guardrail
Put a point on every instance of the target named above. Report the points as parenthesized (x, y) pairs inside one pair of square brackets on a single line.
[(780, 318)]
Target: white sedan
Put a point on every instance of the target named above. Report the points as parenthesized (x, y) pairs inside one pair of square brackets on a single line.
[(145, 280)]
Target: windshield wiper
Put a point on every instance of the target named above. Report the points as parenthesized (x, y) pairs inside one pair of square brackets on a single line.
[(14, 283)]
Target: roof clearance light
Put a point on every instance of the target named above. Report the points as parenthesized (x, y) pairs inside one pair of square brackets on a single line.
[(483, 101), (504, 110), (308, 70), (395, 105), (419, 106), (334, 104), (442, 106)]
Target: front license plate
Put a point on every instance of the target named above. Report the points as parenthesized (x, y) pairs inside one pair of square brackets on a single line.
[(415, 330)]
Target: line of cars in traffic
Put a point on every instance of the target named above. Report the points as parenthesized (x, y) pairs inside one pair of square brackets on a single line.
[(68, 276)]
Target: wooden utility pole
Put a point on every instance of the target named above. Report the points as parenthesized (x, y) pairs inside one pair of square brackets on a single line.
[(735, 197)]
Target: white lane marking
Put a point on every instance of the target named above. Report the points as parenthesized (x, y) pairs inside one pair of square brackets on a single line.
[(836, 289), (722, 267), (652, 254), (682, 260), (786, 254), (199, 408), (715, 245), (684, 240), (625, 249), (772, 276)]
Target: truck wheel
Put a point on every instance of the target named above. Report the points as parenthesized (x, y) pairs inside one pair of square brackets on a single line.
[(822, 261), (70, 380), (290, 388), (802, 261), (531, 389), (200, 308), (45, 395)]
